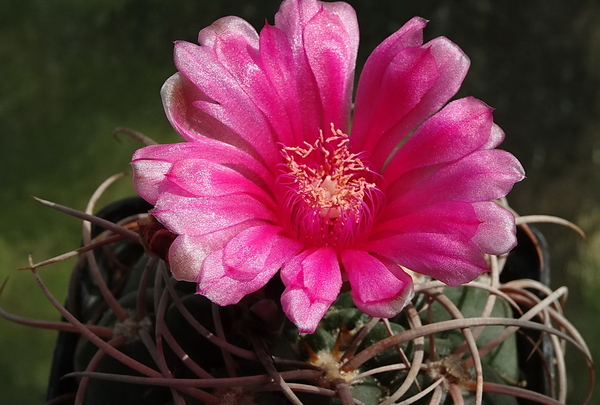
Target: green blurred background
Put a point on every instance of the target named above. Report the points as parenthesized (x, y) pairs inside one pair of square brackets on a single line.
[(72, 71)]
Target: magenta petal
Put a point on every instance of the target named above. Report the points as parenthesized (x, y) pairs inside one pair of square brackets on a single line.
[(448, 217), (278, 64), (452, 65), (186, 214), (183, 102), (293, 15), (461, 127), (313, 282), (187, 253), (496, 234), (225, 28), (245, 264), (481, 176), (331, 44), (394, 96), (446, 257), (323, 38), (380, 288), (489, 226), (370, 82), (151, 163), (496, 137), (225, 101), (180, 97), (236, 46), (204, 178), (406, 81), (149, 178)]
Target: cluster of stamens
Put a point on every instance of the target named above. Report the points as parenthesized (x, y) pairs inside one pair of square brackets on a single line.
[(330, 193)]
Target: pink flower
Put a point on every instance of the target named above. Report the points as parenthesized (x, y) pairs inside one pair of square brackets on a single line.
[(269, 181)]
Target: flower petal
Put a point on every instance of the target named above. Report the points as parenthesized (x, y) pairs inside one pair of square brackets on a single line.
[(446, 257), (489, 226), (294, 16), (481, 176), (371, 78), (204, 178), (187, 253), (149, 178), (324, 42), (406, 80), (331, 45), (226, 28), (238, 119), (448, 217), (313, 282), (182, 213), (181, 99), (496, 137), (151, 164), (245, 264), (452, 65), (461, 127), (278, 64), (380, 287), (394, 96), (496, 234), (236, 45)]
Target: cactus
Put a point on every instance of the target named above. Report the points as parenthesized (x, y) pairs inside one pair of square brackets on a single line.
[(131, 334), (273, 150)]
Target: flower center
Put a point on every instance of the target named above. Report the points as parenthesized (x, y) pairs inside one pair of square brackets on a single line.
[(330, 194)]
